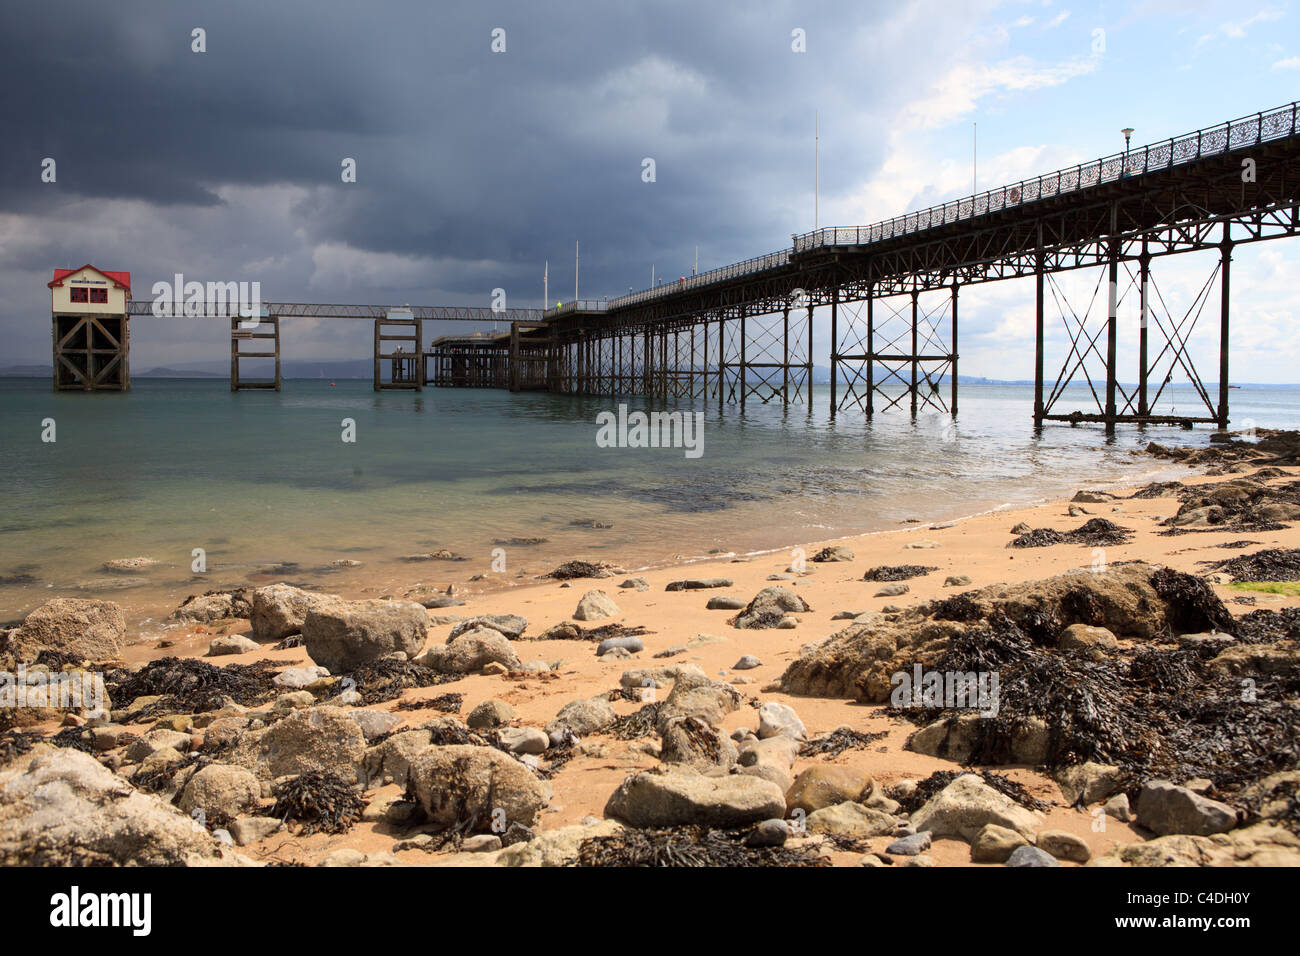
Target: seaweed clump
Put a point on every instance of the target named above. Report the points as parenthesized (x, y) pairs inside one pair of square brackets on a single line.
[(583, 569), (688, 846), (447, 703), (320, 801), (837, 741), (897, 572), (191, 685), (1096, 532), (1272, 564), (638, 724), (385, 679)]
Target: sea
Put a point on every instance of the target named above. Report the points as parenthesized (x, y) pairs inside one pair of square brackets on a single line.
[(330, 484)]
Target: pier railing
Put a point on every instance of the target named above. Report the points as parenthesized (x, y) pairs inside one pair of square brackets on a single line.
[(1236, 134)]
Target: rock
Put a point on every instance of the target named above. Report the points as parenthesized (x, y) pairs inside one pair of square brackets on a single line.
[(769, 607), (694, 742), (825, 785), (206, 608), (956, 581), (675, 798), (777, 751), (489, 714), (1083, 636), (779, 719), (220, 790), (1272, 797), (1117, 807), (512, 626), (893, 590), (63, 808), (694, 695), (912, 845), (278, 610), (721, 603), (1164, 808), (482, 843), (699, 584), (595, 605), (343, 635), (463, 782), (967, 805), (1030, 856), (772, 832), (315, 738), (582, 717), (376, 723), (1077, 511), (1093, 497), (142, 748), (523, 740), (1063, 845), (650, 677), (632, 645), (641, 584), (747, 663), (470, 651), (852, 820), (1021, 528), (298, 678), (231, 644), (833, 553), (90, 630), (248, 830), (995, 844), (391, 759), (1263, 844), (1087, 783)]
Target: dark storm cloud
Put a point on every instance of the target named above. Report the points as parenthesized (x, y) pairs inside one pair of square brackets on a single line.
[(487, 163)]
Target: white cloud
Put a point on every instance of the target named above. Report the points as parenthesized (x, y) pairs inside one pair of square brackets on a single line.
[(1290, 63)]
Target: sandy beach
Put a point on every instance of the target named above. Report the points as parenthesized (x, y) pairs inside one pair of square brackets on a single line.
[(966, 555)]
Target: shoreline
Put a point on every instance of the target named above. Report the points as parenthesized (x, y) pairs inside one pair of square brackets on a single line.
[(975, 547)]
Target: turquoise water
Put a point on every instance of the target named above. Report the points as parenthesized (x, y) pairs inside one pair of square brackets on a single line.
[(263, 483)]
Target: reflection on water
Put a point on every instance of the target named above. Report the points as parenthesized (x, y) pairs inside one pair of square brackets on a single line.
[(264, 484)]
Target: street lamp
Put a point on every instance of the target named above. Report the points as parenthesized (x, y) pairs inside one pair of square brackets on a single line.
[(1128, 134)]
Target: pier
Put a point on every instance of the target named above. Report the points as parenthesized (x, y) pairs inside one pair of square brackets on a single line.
[(744, 333)]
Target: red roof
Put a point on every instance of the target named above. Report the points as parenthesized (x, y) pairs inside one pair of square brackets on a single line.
[(121, 280)]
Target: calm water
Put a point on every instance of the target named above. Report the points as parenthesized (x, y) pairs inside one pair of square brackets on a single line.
[(259, 479)]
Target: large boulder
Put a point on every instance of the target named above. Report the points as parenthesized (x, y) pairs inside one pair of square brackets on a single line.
[(582, 717), (220, 790), (595, 605), (390, 761), (967, 805), (1164, 808), (63, 808), (694, 742), (470, 651), (461, 783), (91, 630), (213, 606), (314, 738), (694, 695), (824, 785), (675, 798), (279, 610), (345, 634)]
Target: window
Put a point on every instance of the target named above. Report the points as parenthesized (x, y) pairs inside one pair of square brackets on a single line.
[(80, 295), (99, 295)]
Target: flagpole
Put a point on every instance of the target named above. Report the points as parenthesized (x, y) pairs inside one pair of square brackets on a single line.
[(546, 287)]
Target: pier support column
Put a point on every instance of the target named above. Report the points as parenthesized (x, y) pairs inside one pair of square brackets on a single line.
[(835, 347), (244, 330), (952, 355), (1112, 322), (1225, 253), (916, 307), (871, 349), (1039, 343), (1144, 281)]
